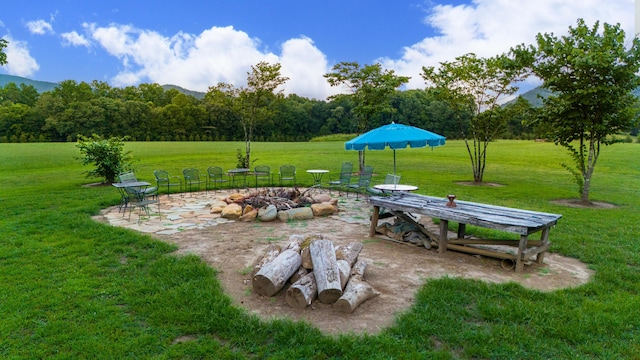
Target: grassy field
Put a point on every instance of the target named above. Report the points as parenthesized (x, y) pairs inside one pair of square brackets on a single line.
[(74, 288)]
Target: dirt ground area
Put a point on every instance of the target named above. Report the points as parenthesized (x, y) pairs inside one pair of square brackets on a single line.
[(396, 270)]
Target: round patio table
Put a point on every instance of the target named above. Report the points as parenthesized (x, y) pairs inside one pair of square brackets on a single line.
[(391, 188), (317, 175)]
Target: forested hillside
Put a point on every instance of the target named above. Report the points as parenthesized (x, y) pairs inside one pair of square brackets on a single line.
[(151, 112)]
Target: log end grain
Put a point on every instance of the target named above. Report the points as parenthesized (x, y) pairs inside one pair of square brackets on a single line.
[(329, 296)]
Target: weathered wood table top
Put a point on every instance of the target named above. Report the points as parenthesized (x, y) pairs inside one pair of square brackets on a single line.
[(489, 216), (517, 221)]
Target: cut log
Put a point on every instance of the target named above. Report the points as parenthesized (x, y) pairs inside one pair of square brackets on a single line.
[(349, 252), (298, 275), (272, 276), (325, 268), (295, 242), (345, 272), (271, 253), (302, 293), (307, 263), (356, 292)]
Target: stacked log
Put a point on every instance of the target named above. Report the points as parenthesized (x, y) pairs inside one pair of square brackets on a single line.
[(334, 275)]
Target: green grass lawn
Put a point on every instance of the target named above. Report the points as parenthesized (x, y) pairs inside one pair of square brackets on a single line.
[(74, 288)]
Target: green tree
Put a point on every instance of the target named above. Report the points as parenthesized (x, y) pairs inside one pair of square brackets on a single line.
[(474, 88), (262, 82), (107, 155), (3, 56), (250, 104), (371, 89), (591, 76)]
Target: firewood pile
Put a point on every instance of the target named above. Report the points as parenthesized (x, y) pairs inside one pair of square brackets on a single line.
[(314, 269), (282, 199), (271, 204)]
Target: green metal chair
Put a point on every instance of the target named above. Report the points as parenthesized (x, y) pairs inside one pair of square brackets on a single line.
[(164, 179), (215, 176), (192, 178), (344, 180), (140, 196), (263, 174), (389, 179), (364, 180), (287, 173)]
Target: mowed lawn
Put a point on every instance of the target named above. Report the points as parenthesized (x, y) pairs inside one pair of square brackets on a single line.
[(73, 288)]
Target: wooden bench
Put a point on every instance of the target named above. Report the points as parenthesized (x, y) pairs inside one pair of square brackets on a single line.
[(517, 221)]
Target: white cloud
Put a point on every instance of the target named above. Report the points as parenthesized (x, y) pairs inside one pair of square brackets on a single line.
[(196, 62), (491, 27), (74, 39), (19, 60), (305, 66), (224, 54), (39, 27)]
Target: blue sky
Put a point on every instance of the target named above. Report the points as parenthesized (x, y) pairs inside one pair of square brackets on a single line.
[(196, 44)]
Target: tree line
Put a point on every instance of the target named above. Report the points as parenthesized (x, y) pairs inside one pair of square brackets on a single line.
[(148, 112)]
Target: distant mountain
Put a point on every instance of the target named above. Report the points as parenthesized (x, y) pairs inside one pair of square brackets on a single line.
[(536, 101), (41, 86), (196, 94), (534, 96), (44, 86)]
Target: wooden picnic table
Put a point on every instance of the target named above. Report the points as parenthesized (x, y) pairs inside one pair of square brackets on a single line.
[(511, 220)]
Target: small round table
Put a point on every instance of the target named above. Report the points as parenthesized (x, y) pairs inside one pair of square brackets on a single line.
[(317, 175), (242, 172), (390, 188)]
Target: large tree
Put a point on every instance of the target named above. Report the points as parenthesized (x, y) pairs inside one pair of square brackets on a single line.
[(370, 88), (474, 88), (591, 76), (3, 56), (251, 103)]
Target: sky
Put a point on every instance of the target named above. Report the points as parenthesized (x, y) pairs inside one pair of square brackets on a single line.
[(196, 44)]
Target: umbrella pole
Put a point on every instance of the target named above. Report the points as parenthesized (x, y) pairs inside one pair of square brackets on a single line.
[(394, 162)]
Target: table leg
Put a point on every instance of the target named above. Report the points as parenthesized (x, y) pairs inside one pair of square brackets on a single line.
[(521, 249), (374, 221), (544, 240), (442, 241), (462, 229)]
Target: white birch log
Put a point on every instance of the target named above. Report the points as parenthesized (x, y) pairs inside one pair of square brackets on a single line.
[(349, 252), (345, 272), (298, 275), (271, 253), (295, 242), (307, 263), (325, 268), (302, 293), (272, 276), (356, 292)]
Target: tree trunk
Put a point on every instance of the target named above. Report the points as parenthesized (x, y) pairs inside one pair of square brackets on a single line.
[(272, 276), (325, 268), (356, 292), (302, 293)]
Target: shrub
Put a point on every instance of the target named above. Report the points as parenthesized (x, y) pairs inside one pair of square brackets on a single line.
[(107, 155)]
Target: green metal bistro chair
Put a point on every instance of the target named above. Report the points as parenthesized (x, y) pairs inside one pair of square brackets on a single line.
[(135, 192), (364, 180), (215, 176), (263, 174), (140, 196), (389, 179), (345, 178), (192, 178), (164, 179), (287, 173)]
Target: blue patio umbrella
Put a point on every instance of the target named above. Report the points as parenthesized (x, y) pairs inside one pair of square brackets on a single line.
[(395, 136)]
